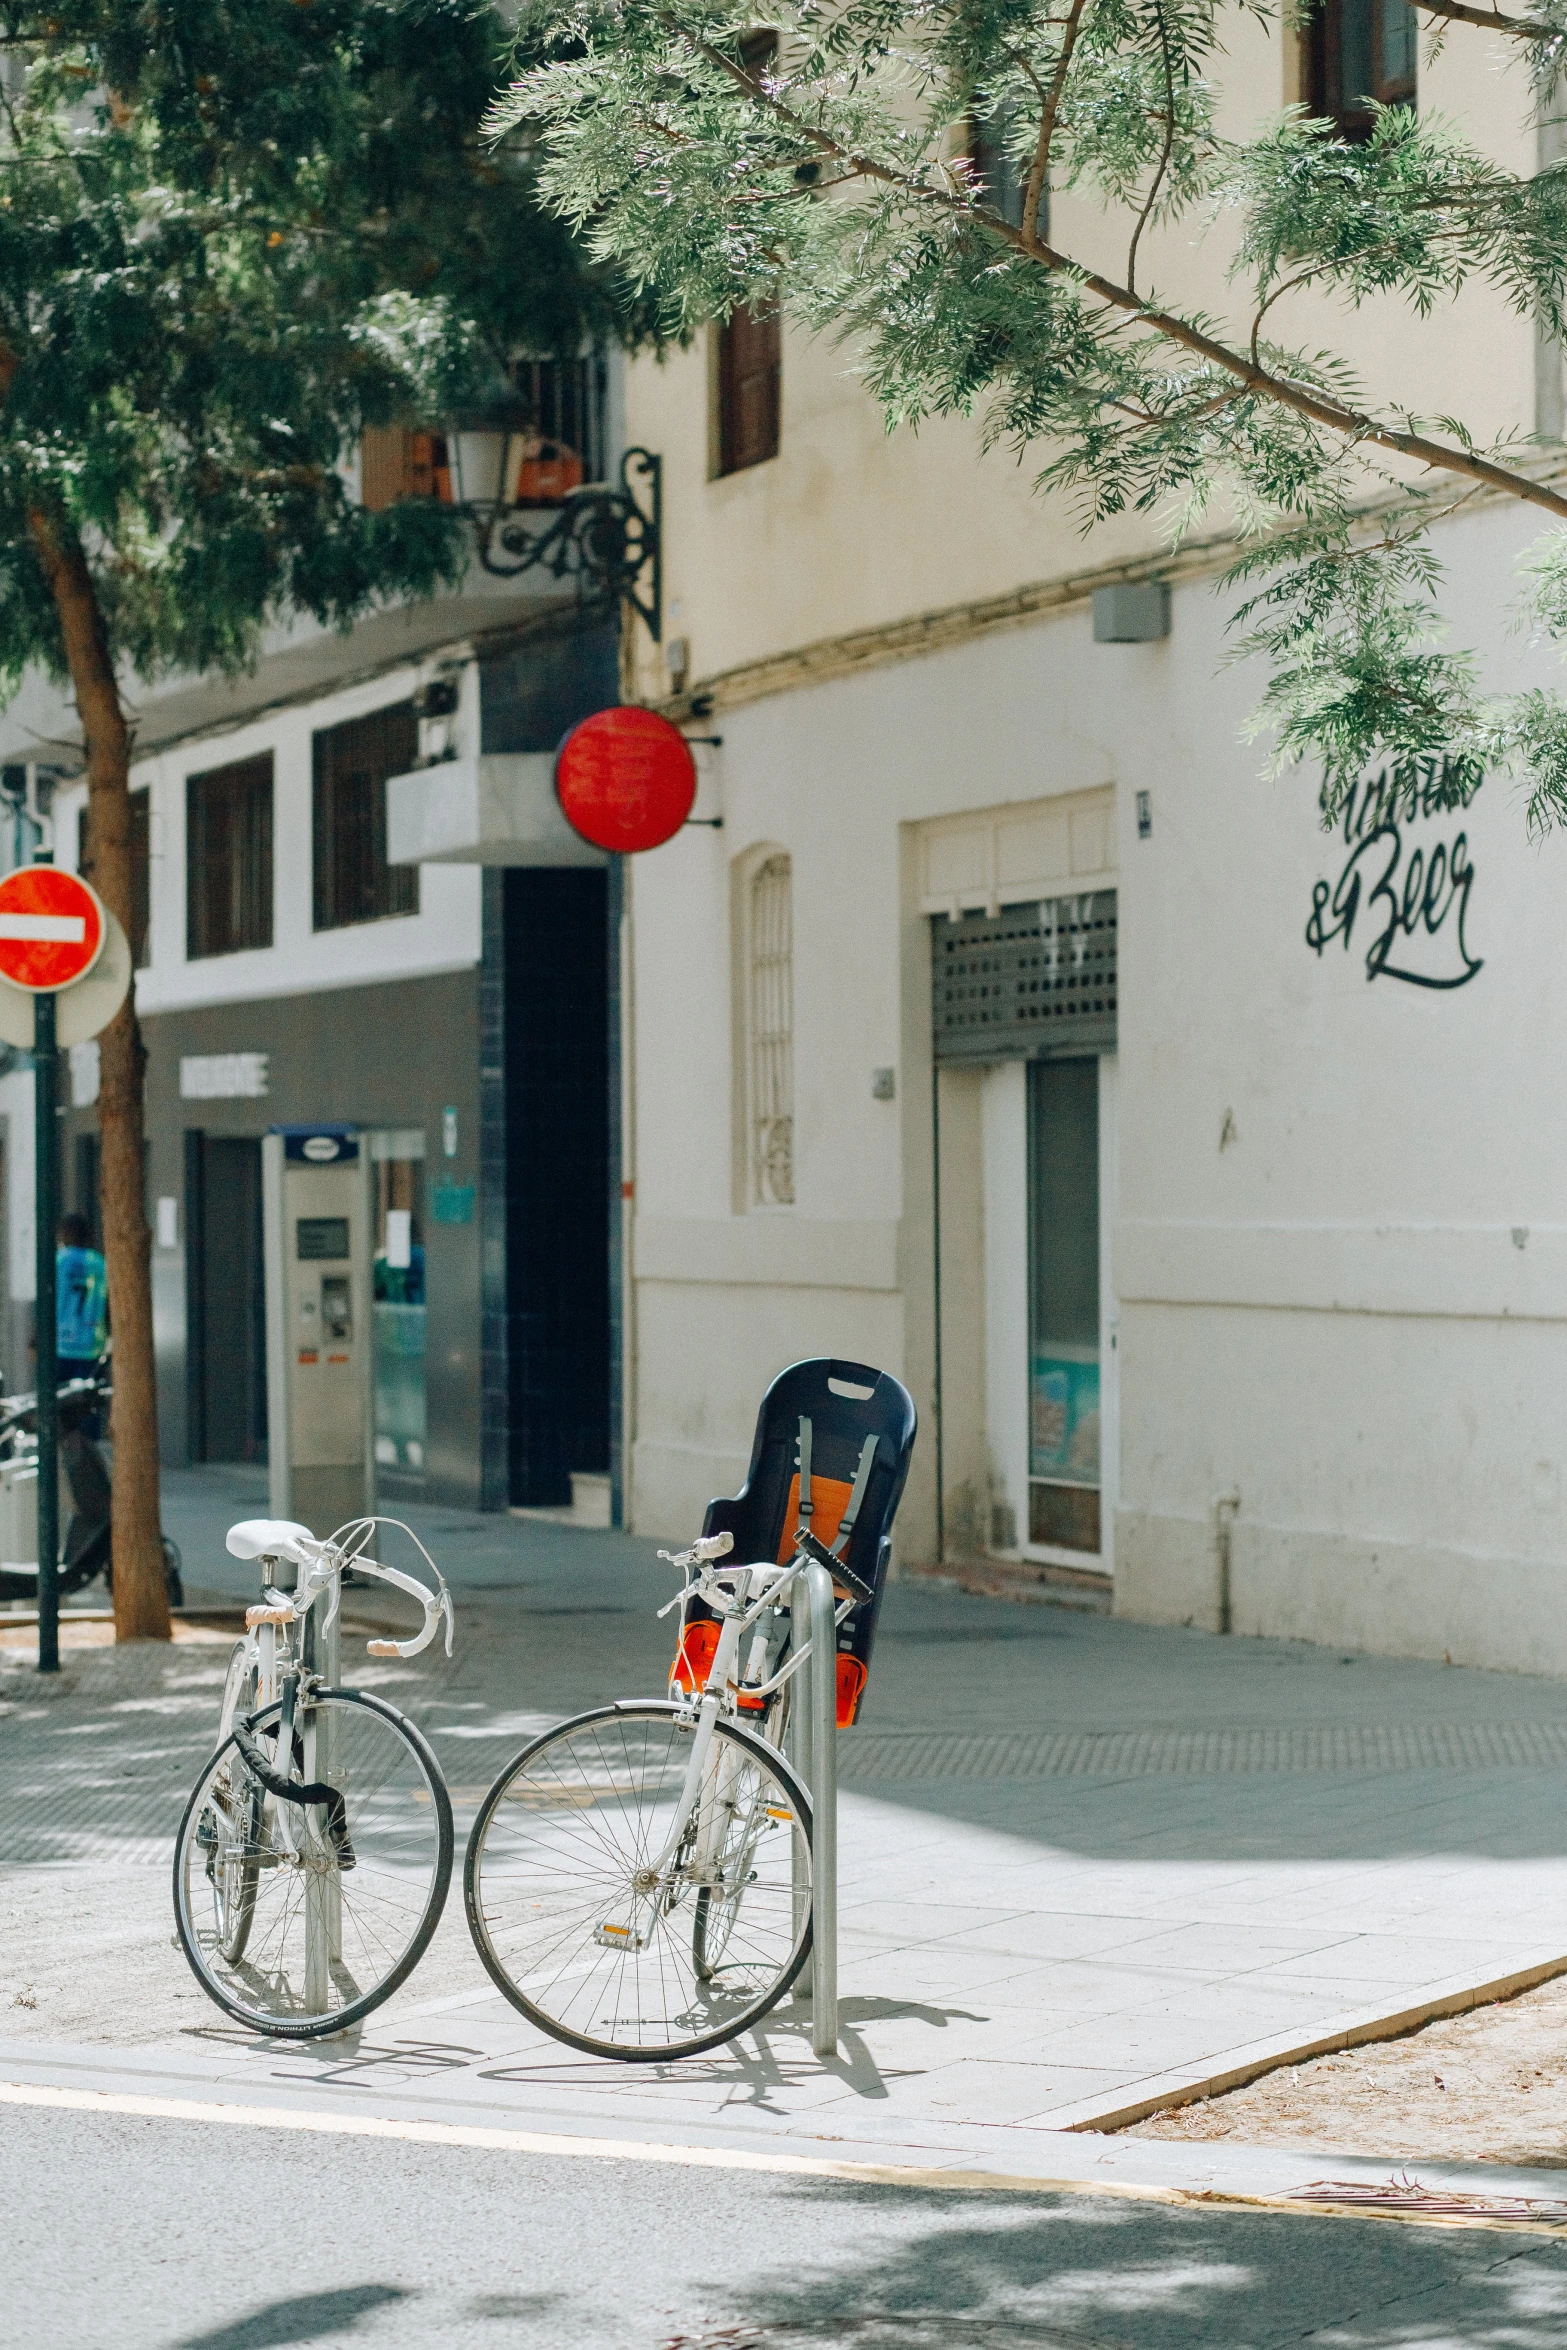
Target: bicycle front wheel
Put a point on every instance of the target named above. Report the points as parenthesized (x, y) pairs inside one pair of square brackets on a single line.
[(298, 1919), (598, 1937)]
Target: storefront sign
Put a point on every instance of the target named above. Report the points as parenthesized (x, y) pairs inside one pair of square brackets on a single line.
[(1401, 896)]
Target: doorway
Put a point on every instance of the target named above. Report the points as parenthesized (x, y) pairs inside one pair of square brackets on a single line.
[(1064, 1355), (1048, 1131), (398, 1313), (226, 1335), (557, 1180)]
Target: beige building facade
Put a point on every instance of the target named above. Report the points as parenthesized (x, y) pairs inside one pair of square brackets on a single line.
[(1200, 1172)]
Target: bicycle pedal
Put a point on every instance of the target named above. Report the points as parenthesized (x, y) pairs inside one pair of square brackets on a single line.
[(619, 1938)]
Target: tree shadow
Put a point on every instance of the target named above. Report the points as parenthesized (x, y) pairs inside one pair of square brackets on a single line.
[(304, 2317), (925, 2271)]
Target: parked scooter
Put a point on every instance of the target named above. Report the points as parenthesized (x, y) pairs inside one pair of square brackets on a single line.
[(85, 1494)]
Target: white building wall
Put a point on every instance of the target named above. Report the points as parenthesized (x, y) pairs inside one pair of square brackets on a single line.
[(1340, 1241), (443, 936)]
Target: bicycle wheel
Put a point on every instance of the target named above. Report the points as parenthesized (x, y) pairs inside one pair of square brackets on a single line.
[(582, 1935), (337, 1903)]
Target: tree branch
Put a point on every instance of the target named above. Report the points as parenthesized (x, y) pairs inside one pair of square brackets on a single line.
[(1040, 166), (1490, 20), (1164, 156)]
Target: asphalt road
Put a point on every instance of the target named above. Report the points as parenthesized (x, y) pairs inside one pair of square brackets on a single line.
[(152, 2234)]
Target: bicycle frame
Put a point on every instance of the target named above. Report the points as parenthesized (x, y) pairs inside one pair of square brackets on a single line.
[(739, 1612), (267, 1653)]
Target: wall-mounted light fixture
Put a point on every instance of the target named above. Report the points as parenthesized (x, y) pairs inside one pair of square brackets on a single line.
[(531, 510)]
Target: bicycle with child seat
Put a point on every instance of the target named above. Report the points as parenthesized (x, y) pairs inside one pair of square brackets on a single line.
[(315, 1854), (638, 1881)]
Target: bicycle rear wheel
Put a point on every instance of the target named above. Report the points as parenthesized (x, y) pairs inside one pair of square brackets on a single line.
[(299, 1918), (574, 1926)]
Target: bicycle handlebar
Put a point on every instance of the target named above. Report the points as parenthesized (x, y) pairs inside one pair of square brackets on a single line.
[(324, 1559)]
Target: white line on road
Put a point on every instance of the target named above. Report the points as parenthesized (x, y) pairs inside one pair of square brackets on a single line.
[(468, 2134)]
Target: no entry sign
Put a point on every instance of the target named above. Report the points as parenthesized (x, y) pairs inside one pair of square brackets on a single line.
[(52, 928), (625, 779)]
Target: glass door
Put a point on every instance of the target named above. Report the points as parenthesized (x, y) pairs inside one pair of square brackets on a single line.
[(397, 1165), (1064, 1326)]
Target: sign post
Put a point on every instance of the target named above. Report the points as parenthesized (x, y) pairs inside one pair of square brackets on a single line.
[(46, 1215), (53, 929)]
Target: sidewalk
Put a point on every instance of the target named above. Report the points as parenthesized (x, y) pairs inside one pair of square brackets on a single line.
[(1084, 1864)]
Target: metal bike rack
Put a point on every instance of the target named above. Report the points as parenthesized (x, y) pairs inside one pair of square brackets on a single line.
[(321, 1653), (813, 1749)]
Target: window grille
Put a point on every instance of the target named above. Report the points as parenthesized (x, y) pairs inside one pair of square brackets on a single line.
[(565, 401), (228, 858), (772, 1035), (1030, 981), (353, 881)]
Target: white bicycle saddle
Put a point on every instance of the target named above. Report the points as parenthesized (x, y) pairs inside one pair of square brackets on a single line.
[(273, 1538)]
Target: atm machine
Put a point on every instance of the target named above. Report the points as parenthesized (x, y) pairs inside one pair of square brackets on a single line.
[(316, 1205)]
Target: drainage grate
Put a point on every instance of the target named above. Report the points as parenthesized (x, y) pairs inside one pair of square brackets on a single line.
[(1135, 1754)]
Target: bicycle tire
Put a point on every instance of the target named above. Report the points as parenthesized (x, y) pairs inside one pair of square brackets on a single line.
[(563, 1879), (395, 1829)]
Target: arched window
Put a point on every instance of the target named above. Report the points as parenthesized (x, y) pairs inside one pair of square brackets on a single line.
[(770, 1023)]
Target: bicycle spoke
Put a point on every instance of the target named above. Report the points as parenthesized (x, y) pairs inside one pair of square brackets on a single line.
[(323, 1943), (548, 1888)]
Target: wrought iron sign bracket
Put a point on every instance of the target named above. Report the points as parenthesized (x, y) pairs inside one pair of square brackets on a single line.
[(603, 536)]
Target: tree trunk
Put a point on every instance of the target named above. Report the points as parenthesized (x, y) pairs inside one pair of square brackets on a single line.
[(141, 1607)]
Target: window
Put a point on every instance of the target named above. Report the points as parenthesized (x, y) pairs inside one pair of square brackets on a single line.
[(750, 376), (1003, 177), (1360, 53), (228, 858), (559, 409), (141, 871), (770, 1034), (394, 463), (353, 881), (750, 347)]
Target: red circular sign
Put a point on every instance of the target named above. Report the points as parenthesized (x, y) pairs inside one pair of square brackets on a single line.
[(52, 928), (625, 779)]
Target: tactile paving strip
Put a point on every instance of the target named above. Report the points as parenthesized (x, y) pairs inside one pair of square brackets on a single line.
[(1131, 1754)]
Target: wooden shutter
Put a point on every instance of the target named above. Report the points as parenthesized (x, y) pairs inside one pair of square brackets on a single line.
[(228, 858), (353, 881), (750, 357)]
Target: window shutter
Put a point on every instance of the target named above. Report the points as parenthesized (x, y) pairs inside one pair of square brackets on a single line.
[(750, 369), (228, 858), (353, 881)]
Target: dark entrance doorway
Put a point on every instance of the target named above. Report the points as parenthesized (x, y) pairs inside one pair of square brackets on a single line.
[(227, 1337), (557, 1180)]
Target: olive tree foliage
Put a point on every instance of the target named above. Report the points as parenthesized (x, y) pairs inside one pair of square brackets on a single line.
[(834, 174), (232, 234)]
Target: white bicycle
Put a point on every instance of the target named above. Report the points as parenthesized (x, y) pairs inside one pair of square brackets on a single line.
[(638, 1881), (315, 1854)]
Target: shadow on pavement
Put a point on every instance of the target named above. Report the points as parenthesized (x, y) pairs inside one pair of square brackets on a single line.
[(1090, 2270), (306, 2317)]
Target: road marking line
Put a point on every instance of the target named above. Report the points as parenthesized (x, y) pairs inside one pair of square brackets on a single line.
[(471, 2134)]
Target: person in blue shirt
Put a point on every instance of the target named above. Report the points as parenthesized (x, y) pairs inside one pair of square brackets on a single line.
[(81, 1300)]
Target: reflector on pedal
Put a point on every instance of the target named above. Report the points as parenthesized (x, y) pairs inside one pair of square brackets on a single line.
[(619, 1938)]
